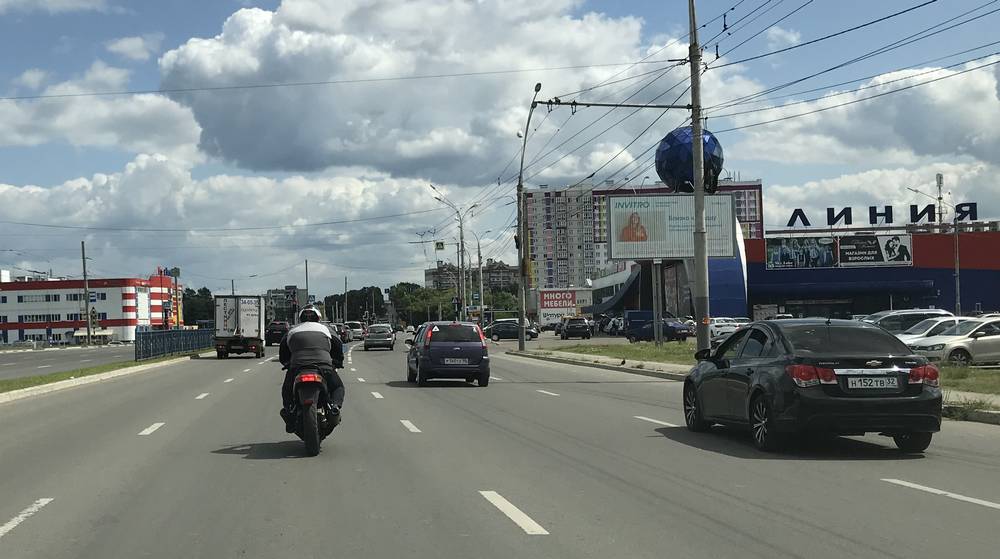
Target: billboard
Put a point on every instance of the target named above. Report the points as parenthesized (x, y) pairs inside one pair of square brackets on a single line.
[(845, 251), (557, 299), (875, 250), (662, 226), (801, 252)]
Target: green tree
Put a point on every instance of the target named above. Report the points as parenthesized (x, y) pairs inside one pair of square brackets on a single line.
[(198, 305)]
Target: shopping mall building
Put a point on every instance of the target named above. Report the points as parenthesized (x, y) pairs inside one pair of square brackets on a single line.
[(54, 309)]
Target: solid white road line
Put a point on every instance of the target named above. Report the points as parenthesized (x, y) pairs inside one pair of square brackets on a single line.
[(524, 521), (43, 366), (23, 515), (546, 392), (228, 380), (949, 494), (247, 370), (495, 378), (361, 379), (410, 426), (656, 421), (201, 396), (151, 429), (377, 395)]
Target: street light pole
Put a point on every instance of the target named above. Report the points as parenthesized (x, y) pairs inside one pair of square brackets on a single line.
[(479, 257), (700, 294), (460, 214), (954, 231), (522, 229), (86, 289)]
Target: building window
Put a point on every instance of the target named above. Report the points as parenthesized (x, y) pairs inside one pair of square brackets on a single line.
[(3, 299), (40, 318)]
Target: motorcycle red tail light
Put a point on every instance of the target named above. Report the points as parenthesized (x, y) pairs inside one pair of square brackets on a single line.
[(309, 377)]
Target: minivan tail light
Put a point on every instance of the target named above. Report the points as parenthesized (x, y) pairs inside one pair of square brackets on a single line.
[(803, 375), (482, 336), (427, 338), (925, 374)]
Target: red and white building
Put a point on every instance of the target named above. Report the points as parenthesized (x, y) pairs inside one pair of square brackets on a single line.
[(54, 309)]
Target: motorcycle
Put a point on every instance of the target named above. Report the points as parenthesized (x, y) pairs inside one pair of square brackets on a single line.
[(314, 414)]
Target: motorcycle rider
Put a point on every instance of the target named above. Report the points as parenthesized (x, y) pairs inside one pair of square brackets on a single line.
[(311, 344)]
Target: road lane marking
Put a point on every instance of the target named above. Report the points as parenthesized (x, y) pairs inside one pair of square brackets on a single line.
[(263, 362), (656, 421), (495, 378), (247, 370), (942, 493), (43, 366), (228, 380), (24, 515), (546, 392), (86, 360), (353, 370), (529, 526), (410, 426), (201, 396), (377, 395), (151, 429), (361, 379)]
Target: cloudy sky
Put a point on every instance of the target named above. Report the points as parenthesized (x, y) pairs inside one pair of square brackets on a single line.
[(373, 100)]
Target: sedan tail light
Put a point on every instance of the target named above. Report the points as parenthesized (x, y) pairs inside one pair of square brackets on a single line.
[(925, 374), (826, 376), (803, 375)]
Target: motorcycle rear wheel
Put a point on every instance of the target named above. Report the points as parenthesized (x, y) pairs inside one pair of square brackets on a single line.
[(310, 430)]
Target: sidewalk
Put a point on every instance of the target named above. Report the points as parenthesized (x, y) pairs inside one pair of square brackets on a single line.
[(955, 396)]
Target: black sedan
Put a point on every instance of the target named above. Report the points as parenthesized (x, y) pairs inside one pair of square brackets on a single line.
[(507, 330), (839, 377)]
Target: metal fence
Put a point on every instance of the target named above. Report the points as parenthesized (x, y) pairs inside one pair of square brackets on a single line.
[(156, 343)]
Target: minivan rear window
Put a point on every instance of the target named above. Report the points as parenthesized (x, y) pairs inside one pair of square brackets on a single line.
[(454, 333), (820, 339), (577, 321)]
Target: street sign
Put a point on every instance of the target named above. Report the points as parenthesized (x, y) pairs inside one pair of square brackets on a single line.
[(438, 245), (93, 296), (475, 296)]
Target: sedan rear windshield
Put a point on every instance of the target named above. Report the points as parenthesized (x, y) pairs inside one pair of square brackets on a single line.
[(353, 325), (454, 333), (379, 330), (820, 339)]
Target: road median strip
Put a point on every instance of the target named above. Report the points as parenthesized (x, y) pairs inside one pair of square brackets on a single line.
[(661, 370)]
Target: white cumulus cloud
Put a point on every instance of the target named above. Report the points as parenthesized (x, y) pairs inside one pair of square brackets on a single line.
[(139, 48), (779, 37), (52, 6)]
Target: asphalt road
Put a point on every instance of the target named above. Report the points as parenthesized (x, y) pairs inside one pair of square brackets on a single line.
[(41, 362), (549, 461)]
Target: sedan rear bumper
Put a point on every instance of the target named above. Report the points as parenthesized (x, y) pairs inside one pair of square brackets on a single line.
[(848, 416), (379, 343), (456, 371)]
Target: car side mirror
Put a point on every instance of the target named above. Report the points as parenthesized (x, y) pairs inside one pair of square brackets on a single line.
[(977, 335), (703, 354)]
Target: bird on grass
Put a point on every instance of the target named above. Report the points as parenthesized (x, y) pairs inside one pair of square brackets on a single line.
[(622, 363)]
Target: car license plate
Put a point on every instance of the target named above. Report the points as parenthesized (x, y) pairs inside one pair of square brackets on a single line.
[(455, 361), (872, 382)]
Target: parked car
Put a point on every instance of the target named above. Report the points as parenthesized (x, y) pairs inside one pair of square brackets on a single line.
[(380, 335), (901, 320), (742, 320), (720, 327), (507, 330), (531, 331), (673, 330), (357, 329), (448, 350), (275, 331), (839, 377), (972, 341), (575, 328), (929, 327)]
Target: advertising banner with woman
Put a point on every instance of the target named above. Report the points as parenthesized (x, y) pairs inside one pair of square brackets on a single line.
[(662, 227)]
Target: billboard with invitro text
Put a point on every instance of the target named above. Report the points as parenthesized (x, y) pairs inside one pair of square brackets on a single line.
[(662, 226)]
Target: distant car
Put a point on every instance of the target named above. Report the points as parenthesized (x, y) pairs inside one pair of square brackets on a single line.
[(901, 320), (720, 327), (972, 341), (380, 335), (448, 350), (275, 331), (840, 377), (673, 330), (357, 329), (506, 329), (742, 320), (575, 328), (929, 327), (343, 332), (115, 342)]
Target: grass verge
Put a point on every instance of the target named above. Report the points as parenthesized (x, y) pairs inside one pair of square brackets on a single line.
[(967, 379), (962, 408), (681, 353), (8, 385)]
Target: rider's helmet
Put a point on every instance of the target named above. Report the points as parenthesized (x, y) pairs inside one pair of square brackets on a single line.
[(309, 314)]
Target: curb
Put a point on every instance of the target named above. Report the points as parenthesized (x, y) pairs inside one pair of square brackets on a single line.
[(41, 389), (975, 416), (631, 370)]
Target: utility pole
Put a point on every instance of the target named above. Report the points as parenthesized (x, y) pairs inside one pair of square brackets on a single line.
[(345, 298), (232, 286), (700, 294), (86, 289), (522, 229), (307, 282), (940, 199), (482, 301)]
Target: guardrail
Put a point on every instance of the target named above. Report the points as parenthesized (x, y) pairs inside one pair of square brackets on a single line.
[(157, 343)]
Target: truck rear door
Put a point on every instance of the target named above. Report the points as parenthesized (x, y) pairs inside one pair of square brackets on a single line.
[(250, 317)]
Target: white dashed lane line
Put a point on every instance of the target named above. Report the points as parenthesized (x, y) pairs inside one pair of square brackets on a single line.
[(201, 396), (524, 521), (151, 429), (361, 379), (86, 360), (353, 370), (656, 421), (24, 515), (546, 392), (377, 395), (942, 493), (43, 366), (495, 378), (410, 426), (247, 370), (228, 380)]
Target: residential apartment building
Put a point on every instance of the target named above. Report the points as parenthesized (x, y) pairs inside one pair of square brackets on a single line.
[(560, 235), (284, 303), (496, 275), (54, 309)]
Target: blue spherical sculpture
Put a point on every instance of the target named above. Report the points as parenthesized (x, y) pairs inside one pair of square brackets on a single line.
[(675, 164)]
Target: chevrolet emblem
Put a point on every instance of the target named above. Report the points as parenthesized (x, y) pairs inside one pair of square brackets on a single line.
[(873, 363)]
